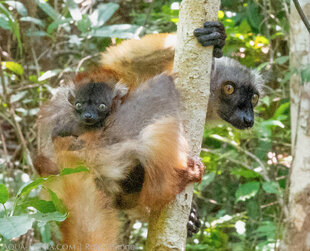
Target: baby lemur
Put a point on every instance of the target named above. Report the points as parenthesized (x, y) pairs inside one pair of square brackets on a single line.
[(92, 103)]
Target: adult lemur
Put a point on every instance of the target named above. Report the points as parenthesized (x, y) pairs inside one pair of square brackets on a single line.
[(234, 93)]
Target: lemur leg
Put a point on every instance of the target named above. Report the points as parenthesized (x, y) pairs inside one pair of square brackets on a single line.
[(213, 33)]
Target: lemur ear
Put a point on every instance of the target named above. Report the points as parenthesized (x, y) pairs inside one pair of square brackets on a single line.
[(71, 97), (120, 93)]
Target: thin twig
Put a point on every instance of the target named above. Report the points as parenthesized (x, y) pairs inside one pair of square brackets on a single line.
[(23, 141), (5, 150), (81, 62), (5, 98), (302, 15)]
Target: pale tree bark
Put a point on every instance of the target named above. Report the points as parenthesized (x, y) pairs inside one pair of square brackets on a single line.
[(192, 64), (297, 235)]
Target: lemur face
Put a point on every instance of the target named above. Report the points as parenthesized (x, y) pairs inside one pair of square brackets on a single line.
[(235, 91), (92, 103), (237, 103)]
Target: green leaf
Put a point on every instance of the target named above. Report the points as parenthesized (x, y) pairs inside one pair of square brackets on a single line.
[(49, 10), (206, 180), (29, 186), (15, 226), (18, 6), (4, 194), (46, 217), (54, 25), (305, 74), (4, 22), (248, 174), (272, 123), (18, 96), (14, 67), (48, 74), (41, 205), (78, 169), (253, 16), (102, 14), (266, 228), (33, 20), (74, 10), (282, 60), (84, 24), (247, 191), (60, 207), (271, 187), (31, 33), (123, 31), (281, 110)]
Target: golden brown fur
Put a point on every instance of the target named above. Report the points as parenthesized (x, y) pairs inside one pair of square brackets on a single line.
[(160, 146)]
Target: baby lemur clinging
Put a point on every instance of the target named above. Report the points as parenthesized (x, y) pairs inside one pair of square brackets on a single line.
[(91, 104)]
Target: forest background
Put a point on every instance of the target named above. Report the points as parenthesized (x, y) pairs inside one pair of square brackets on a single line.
[(243, 196)]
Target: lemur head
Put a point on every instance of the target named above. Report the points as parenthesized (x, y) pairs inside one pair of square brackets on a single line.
[(92, 103), (235, 91)]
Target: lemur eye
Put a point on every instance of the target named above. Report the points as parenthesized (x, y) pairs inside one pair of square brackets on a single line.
[(78, 106), (101, 107), (228, 89), (254, 99)]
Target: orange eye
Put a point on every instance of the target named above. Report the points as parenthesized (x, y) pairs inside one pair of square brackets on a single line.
[(229, 89), (254, 99)]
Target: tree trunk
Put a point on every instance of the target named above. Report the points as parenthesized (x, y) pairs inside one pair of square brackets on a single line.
[(167, 229), (297, 236)]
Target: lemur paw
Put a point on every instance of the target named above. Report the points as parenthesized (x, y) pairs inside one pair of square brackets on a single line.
[(213, 33), (193, 223), (195, 169)]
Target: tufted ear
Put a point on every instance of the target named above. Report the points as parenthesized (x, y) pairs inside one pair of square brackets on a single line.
[(120, 93)]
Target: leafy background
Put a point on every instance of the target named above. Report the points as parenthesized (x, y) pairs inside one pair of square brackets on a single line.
[(242, 198)]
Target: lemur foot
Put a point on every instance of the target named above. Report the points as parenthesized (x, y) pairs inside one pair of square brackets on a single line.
[(193, 223), (213, 33), (195, 169)]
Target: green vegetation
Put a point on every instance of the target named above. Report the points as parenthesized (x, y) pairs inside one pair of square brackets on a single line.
[(243, 194)]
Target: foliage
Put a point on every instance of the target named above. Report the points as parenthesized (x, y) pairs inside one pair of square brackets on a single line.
[(241, 196)]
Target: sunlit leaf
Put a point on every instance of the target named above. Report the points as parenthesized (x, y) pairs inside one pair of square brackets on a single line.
[(14, 67), (18, 6), (29, 186), (4, 22), (46, 217), (41, 205), (78, 169), (18, 96), (33, 20), (15, 226), (247, 191), (272, 123), (124, 31), (74, 10), (4, 194), (49, 74), (102, 14)]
